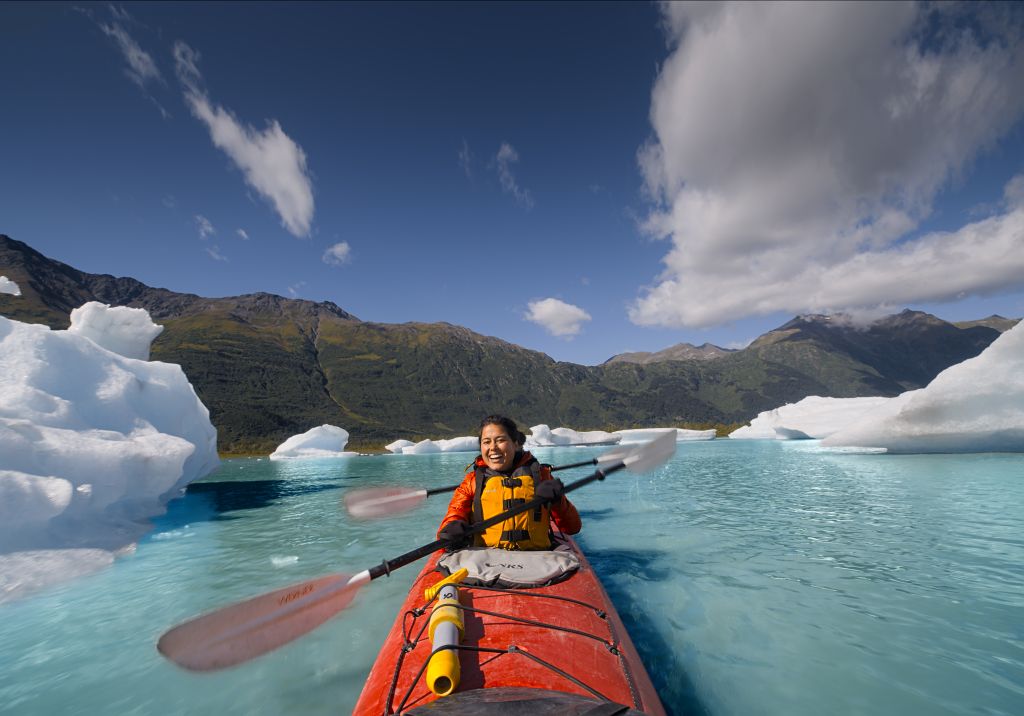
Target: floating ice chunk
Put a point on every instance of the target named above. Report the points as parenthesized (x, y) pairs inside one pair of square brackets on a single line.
[(540, 436), (423, 447), (543, 436), (323, 441), (470, 443), (398, 445), (683, 435), (8, 286), (813, 417), (123, 330), (589, 437), (91, 444), (643, 435), (756, 430), (974, 406)]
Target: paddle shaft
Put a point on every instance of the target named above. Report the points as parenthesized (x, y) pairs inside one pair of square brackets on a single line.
[(389, 565)]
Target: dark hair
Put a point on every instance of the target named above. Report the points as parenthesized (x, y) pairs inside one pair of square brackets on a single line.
[(507, 423)]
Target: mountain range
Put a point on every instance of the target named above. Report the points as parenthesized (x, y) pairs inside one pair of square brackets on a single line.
[(270, 367), (680, 351)]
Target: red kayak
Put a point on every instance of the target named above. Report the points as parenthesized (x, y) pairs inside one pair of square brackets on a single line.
[(559, 648)]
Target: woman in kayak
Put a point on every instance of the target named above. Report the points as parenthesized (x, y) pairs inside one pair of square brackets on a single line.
[(504, 475)]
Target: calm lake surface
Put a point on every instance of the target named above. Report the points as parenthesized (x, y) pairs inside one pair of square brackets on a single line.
[(755, 577)]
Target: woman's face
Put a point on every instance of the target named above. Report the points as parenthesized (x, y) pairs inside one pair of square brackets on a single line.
[(497, 447)]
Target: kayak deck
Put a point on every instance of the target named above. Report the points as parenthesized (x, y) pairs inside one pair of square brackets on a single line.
[(564, 637)]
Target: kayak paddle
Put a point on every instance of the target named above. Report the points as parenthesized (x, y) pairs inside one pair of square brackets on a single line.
[(373, 502), (240, 632)]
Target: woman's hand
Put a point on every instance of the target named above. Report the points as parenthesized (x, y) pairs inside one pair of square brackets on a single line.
[(551, 490), (456, 533)]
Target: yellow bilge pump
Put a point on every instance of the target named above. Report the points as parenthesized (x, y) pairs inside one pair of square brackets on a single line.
[(446, 629)]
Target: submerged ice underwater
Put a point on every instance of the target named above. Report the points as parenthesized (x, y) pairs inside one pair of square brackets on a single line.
[(753, 576)]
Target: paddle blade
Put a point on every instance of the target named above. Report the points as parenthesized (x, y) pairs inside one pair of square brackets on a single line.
[(650, 455), (373, 502), (243, 631)]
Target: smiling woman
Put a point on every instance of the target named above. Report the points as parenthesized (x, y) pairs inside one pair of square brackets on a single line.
[(502, 476)]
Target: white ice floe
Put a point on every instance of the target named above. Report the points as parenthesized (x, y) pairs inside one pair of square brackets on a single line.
[(91, 444), (469, 443), (429, 447), (643, 435), (319, 442), (974, 406), (813, 417), (8, 286), (398, 445), (123, 330), (423, 447), (683, 435), (543, 436)]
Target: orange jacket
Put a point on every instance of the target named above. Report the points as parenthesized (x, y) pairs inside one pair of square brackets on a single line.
[(563, 514)]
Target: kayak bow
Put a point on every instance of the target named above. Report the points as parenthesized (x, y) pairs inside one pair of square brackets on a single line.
[(560, 648)]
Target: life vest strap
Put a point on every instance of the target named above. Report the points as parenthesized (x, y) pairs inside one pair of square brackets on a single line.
[(514, 502), (515, 535)]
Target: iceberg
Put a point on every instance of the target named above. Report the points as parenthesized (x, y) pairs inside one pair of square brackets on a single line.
[(643, 435), (543, 436), (683, 435), (123, 330), (323, 441), (8, 286), (398, 445), (469, 443), (974, 406), (423, 447), (92, 443), (812, 418)]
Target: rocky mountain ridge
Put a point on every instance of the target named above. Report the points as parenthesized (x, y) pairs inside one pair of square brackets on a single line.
[(680, 351)]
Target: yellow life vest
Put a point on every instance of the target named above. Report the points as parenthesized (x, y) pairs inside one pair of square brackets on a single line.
[(497, 493)]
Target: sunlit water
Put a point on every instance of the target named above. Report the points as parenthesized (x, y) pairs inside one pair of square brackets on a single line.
[(755, 578)]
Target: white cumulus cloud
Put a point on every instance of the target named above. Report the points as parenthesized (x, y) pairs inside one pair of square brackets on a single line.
[(557, 317), (798, 147), (338, 254), (503, 161), (242, 233), (270, 161)]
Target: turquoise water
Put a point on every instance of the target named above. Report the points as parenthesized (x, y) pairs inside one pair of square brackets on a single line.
[(755, 578)]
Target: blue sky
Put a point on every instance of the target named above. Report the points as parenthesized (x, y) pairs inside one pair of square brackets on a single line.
[(579, 179)]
